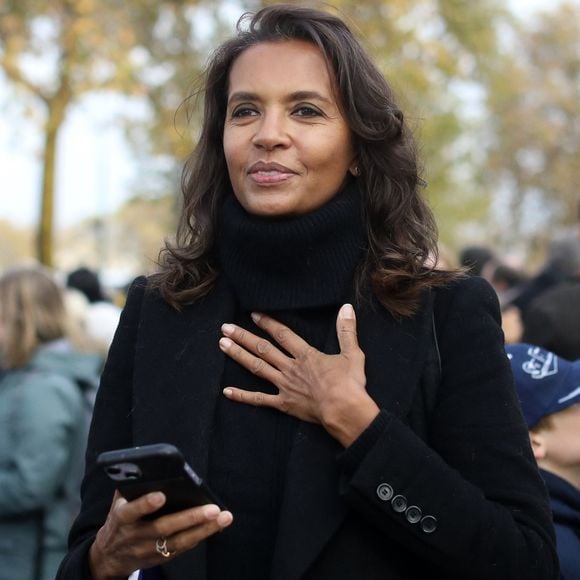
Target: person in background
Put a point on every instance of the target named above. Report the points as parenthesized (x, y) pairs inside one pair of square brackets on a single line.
[(101, 316), (287, 347), (562, 265), (474, 259), (552, 320), (43, 424), (506, 280), (536, 310), (548, 387)]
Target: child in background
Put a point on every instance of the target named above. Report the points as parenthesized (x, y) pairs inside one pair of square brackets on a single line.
[(549, 391)]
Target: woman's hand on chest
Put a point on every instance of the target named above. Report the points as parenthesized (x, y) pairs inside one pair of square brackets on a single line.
[(313, 386)]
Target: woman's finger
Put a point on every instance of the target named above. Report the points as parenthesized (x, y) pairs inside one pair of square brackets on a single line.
[(346, 329), (288, 340), (173, 523), (254, 398), (260, 347), (128, 512), (255, 364), (189, 538)]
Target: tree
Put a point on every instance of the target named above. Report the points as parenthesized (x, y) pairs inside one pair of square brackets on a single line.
[(534, 128), (87, 45), (492, 123), (432, 52), (15, 244)]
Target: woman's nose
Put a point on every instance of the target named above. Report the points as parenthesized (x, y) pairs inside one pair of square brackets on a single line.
[(271, 132)]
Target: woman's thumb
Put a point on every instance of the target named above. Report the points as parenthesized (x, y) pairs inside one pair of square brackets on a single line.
[(346, 328)]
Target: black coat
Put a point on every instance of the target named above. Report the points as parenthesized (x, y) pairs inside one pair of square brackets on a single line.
[(565, 504), (461, 461)]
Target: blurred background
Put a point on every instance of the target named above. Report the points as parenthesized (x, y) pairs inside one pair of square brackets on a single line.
[(95, 120)]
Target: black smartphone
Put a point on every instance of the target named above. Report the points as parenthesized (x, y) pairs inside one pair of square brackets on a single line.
[(159, 467)]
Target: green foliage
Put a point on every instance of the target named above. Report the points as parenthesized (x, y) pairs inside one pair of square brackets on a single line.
[(494, 104), (91, 45), (534, 132), (423, 47)]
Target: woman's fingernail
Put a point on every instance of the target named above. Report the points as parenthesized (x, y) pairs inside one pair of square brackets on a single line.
[(225, 519), (228, 329), (212, 511), (256, 317), (347, 311), (156, 498), (225, 343), (228, 392)]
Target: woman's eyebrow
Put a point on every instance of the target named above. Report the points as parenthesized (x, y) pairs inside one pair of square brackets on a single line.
[(308, 96), (243, 96), (292, 97)]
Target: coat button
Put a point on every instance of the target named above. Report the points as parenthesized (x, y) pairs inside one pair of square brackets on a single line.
[(413, 514), (385, 492), (429, 524), (399, 503)]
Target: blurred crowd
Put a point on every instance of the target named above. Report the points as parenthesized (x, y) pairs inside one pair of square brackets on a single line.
[(542, 307), (541, 323), (55, 331), (54, 335)]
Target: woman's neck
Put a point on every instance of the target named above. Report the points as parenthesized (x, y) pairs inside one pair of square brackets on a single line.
[(297, 262)]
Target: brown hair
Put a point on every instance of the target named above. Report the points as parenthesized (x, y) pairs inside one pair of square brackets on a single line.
[(400, 226), (544, 424), (32, 312)]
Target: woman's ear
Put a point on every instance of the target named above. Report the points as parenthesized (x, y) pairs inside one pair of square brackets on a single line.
[(354, 168), (539, 445)]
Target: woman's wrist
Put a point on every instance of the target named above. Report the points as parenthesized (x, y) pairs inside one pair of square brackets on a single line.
[(98, 566), (347, 421)]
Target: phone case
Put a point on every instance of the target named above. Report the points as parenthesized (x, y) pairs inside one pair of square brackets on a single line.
[(159, 467)]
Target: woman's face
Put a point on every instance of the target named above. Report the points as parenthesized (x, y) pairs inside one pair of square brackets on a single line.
[(563, 451), (287, 146)]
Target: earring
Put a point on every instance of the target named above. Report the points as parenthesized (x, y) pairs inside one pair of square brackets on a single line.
[(355, 170)]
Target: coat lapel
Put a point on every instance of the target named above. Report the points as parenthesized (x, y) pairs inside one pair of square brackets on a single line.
[(312, 510), (176, 387), (396, 352)]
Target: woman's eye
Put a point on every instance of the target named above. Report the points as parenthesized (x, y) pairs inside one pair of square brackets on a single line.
[(244, 112), (305, 111)]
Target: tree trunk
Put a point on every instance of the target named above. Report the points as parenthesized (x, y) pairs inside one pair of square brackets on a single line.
[(46, 224), (56, 113)]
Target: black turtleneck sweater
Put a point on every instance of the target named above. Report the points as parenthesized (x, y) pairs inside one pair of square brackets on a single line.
[(298, 270)]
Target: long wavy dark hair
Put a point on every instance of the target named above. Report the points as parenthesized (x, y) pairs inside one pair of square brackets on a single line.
[(402, 235)]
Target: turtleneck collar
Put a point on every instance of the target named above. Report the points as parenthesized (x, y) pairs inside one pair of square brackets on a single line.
[(305, 261)]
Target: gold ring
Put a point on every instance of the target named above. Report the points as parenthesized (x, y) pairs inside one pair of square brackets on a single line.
[(161, 547)]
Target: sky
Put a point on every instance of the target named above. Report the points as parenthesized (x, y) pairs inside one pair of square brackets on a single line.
[(95, 170), (94, 164)]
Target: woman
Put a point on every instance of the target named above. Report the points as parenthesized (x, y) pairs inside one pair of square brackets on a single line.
[(42, 425), (340, 447)]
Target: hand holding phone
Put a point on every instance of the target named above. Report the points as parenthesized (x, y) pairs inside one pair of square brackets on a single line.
[(159, 467), (124, 542)]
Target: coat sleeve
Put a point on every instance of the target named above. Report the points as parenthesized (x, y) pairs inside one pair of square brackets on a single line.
[(111, 428), (47, 409), (471, 500)]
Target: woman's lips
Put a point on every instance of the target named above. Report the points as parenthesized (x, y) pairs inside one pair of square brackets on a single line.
[(269, 173), (270, 177)]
